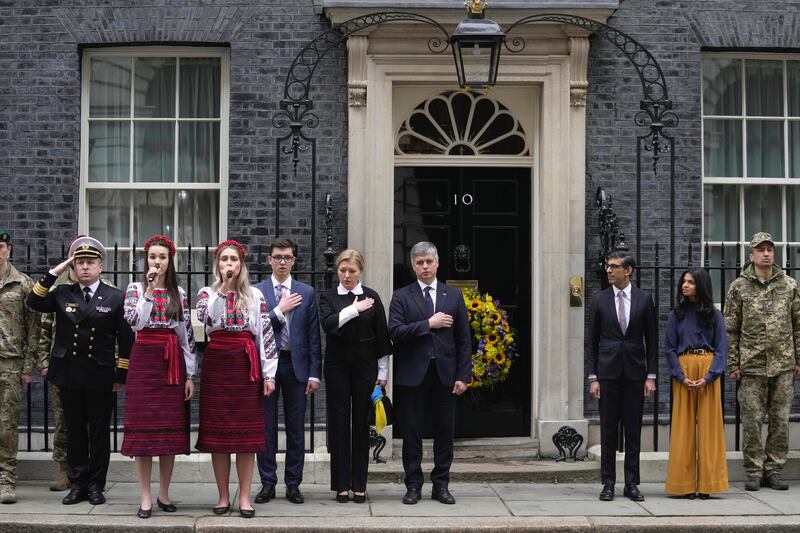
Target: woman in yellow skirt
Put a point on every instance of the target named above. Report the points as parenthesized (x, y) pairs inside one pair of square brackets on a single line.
[(696, 349)]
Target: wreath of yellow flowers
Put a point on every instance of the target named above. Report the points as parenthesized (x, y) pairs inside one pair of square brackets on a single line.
[(493, 346)]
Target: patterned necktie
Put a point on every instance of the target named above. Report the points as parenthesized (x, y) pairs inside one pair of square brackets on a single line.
[(283, 337), (88, 294), (623, 324), (428, 301)]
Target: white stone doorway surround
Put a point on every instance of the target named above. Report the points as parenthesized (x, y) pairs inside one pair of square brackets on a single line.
[(384, 63)]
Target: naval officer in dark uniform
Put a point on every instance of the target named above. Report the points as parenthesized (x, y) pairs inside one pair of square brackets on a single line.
[(89, 326)]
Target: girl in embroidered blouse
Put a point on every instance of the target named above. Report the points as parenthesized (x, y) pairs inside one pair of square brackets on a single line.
[(696, 347), (240, 354), (161, 374)]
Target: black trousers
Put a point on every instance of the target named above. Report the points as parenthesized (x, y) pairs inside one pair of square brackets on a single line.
[(413, 402), (348, 388), (87, 415), (620, 399)]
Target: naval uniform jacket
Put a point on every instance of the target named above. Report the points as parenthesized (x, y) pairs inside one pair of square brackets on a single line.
[(87, 334)]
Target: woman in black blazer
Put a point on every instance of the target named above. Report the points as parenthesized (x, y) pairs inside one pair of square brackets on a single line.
[(357, 356)]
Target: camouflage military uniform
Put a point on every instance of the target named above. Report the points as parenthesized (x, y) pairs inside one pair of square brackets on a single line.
[(762, 319), (19, 336)]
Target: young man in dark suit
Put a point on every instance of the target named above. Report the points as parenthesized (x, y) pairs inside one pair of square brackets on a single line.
[(90, 325), (295, 322), (431, 334), (622, 363)]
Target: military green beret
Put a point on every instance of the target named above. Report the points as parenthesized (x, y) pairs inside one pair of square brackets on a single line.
[(5, 236)]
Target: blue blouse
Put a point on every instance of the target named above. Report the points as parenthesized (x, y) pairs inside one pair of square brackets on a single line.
[(688, 334)]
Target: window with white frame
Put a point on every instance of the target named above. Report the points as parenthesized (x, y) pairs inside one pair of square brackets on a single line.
[(154, 148), (751, 154)]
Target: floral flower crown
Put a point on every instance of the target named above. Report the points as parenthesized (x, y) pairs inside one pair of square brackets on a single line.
[(160, 238), (235, 244)]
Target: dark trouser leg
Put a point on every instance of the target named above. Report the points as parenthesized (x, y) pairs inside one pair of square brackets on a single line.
[(267, 464), (294, 415), (363, 376), (98, 413), (76, 420), (411, 411), (442, 406), (632, 407), (610, 407), (337, 381)]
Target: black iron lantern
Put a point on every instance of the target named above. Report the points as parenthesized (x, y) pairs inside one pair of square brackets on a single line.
[(476, 47)]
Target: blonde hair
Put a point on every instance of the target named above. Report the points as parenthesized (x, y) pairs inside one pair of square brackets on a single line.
[(242, 282), (351, 255)]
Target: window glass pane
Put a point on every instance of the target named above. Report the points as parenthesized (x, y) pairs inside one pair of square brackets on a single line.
[(198, 218), (764, 87), (793, 71), (722, 148), (153, 213), (762, 210), (764, 149), (154, 151), (794, 149), (793, 216), (155, 87), (200, 87), (722, 86), (110, 90), (721, 212), (199, 152), (109, 151), (109, 216)]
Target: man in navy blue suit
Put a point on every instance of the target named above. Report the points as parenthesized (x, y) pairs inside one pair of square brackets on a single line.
[(621, 367), (430, 330), (295, 321)]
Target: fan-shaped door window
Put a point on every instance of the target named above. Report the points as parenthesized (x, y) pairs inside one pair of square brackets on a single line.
[(461, 124)]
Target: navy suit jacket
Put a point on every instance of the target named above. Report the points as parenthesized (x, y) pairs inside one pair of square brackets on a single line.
[(303, 331), (612, 355), (415, 342)]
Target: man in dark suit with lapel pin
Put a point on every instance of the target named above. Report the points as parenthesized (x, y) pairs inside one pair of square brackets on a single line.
[(430, 330), (295, 322), (90, 326), (622, 363)]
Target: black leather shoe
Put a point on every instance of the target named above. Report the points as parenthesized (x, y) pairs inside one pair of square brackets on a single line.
[(74, 496), (247, 513), (442, 495), (266, 494), (360, 498), (96, 497), (607, 494), (411, 497), (294, 495), (343, 498), (144, 513), (703, 495), (632, 492), (166, 507), (221, 510)]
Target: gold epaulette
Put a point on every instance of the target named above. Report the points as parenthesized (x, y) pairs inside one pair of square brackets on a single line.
[(39, 289), (122, 363)]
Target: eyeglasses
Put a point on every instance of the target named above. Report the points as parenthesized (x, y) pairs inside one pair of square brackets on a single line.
[(613, 266), (282, 258)]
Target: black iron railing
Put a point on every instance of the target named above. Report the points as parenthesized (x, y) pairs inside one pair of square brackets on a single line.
[(192, 276)]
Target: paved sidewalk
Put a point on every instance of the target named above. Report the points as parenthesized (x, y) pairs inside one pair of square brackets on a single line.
[(480, 507)]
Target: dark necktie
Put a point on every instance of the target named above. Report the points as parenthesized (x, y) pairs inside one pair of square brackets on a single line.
[(428, 301), (88, 294)]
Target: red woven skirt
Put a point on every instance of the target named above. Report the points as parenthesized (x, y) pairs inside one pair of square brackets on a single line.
[(231, 404), (156, 417)]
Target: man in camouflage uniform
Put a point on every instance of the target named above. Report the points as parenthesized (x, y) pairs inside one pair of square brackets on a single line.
[(19, 330), (762, 317)]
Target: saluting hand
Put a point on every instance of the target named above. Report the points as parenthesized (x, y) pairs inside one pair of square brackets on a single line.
[(363, 305), (62, 266)]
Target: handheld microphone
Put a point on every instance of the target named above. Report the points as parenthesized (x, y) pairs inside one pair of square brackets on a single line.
[(151, 276), (229, 274)]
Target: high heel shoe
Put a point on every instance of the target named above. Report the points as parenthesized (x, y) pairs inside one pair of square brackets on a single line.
[(144, 513), (247, 513), (360, 498), (166, 507), (343, 498), (222, 510)]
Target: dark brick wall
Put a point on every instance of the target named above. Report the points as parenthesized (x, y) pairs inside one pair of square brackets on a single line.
[(675, 32), (40, 57)]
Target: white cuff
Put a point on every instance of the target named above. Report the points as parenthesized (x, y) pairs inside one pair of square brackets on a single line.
[(383, 368), (316, 380), (347, 314), (651, 376), (280, 315)]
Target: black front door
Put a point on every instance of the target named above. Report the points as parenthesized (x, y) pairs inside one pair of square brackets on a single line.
[(480, 220)]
